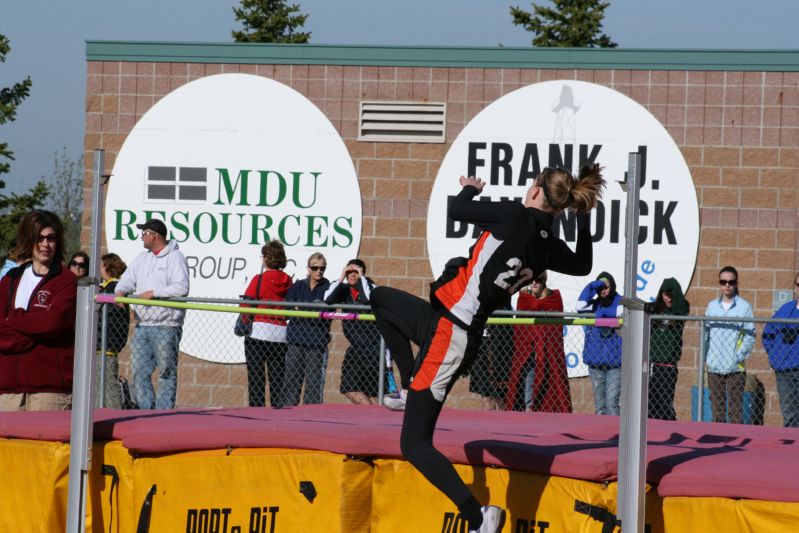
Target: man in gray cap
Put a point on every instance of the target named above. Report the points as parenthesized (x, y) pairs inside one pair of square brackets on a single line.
[(159, 272)]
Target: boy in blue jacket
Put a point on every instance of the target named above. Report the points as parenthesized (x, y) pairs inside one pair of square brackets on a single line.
[(602, 349)]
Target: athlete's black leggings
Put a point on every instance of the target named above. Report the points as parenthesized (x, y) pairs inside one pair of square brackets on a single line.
[(402, 318)]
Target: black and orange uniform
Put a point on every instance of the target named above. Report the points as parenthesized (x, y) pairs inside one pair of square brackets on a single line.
[(516, 245)]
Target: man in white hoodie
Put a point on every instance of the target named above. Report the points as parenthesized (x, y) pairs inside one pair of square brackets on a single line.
[(159, 272)]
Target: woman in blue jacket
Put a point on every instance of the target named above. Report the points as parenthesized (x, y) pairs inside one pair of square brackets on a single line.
[(602, 350), (782, 346)]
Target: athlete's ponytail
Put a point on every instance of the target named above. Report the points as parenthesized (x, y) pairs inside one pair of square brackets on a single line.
[(562, 191)]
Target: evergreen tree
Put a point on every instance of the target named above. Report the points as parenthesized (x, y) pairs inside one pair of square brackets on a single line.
[(270, 21), (14, 206), (569, 23), (10, 98)]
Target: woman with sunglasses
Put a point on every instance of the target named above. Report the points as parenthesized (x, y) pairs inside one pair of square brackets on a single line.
[(727, 347), (516, 245), (79, 264), (37, 319), (306, 355)]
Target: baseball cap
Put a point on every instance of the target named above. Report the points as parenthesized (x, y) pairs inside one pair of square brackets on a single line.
[(154, 225)]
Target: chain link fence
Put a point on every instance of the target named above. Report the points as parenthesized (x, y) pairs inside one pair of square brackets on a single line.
[(704, 368)]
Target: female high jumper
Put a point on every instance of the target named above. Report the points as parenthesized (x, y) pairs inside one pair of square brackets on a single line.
[(516, 245)]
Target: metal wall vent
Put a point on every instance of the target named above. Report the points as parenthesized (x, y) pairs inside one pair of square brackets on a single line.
[(423, 122)]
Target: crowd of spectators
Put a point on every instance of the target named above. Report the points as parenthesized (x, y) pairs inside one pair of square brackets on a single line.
[(520, 367)]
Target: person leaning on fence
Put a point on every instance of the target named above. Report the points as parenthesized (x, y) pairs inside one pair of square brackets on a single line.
[(539, 359), (360, 370), (79, 264), (160, 271), (727, 347), (665, 348), (116, 333), (306, 355), (781, 342), (37, 319), (266, 345), (602, 348)]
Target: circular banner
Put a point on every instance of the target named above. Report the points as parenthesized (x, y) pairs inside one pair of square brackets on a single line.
[(568, 124), (229, 162)]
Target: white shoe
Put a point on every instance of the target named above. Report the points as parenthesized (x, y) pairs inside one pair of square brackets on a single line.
[(493, 519), (396, 401)]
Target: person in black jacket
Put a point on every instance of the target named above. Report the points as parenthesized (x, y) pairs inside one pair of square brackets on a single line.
[(116, 333), (360, 370)]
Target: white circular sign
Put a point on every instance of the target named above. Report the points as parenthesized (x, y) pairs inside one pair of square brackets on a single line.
[(229, 162), (568, 123)]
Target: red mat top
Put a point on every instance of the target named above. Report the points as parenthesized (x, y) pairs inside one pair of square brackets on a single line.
[(684, 458)]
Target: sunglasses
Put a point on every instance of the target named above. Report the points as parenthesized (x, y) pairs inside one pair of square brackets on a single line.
[(51, 238), (147, 232), (318, 268), (78, 264), (730, 282)]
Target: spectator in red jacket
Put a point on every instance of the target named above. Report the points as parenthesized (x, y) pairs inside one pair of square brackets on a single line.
[(266, 345), (37, 320), (539, 361)]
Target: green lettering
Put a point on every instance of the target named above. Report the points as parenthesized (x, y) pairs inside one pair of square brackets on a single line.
[(345, 231), (226, 227), (230, 188), (260, 229), (281, 188), (199, 226), (180, 224), (315, 229), (281, 230), (296, 190), (119, 224)]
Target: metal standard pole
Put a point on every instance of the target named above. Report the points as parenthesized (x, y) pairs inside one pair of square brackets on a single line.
[(635, 373), (83, 373), (97, 211), (81, 430)]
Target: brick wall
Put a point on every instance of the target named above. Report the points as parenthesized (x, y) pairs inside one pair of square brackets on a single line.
[(738, 131)]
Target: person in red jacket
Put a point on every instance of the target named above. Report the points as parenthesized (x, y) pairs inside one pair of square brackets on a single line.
[(37, 320), (539, 361), (266, 345)]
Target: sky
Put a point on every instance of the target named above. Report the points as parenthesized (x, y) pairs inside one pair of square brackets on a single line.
[(48, 44)]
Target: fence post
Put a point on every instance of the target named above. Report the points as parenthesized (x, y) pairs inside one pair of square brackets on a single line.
[(700, 373), (103, 350), (381, 388), (80, 441)]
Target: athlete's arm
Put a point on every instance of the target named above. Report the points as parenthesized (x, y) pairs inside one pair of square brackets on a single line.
[(580, 261), (492, 216)]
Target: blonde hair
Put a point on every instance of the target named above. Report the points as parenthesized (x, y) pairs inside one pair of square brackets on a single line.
[(562, 191)]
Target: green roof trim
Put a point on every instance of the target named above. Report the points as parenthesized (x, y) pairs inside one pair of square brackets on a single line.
[(463, 57)]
